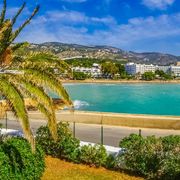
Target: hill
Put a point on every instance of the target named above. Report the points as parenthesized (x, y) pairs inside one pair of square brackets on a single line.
[(68, 51)]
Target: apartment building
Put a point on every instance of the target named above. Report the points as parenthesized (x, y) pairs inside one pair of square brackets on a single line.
[(133, 68), (94, 71), (175, 70)]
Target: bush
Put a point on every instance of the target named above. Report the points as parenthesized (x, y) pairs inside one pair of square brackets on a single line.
[(93, 155), (66, 146), (157, 158), (148, 76), (69, 149), (79, 76), (129, 141), (18, 162), (171, 142), (111, 162)]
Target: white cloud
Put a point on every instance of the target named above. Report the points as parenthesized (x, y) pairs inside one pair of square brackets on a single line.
[(73, 17), (157, 4), (138, 34)]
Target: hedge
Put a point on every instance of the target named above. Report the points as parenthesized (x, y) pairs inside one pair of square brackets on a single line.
[(18, 162)]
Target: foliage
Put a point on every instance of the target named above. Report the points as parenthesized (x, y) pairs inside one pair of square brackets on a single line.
[(66, 146), (69, 149), (79, 76), (170, 142), (121, 69), (93, 155), (157, 158), (111, 162), (28, 75), (83, 62), (18, 162), (148, 76), (109, 68), (129, 141), (163, 75)]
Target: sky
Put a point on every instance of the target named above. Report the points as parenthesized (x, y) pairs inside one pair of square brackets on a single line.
[(132, 25)]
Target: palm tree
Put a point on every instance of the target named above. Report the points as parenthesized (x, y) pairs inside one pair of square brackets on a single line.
[(28, 75)]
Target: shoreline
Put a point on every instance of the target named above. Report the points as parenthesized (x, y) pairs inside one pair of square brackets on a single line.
[(107, 81)]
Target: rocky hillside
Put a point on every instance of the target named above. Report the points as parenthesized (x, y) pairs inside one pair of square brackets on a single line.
[(67, 51)]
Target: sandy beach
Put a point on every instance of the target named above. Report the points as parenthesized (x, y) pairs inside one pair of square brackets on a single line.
[(104, 81)]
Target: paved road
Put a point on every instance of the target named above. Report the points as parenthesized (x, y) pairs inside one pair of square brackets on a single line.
[(92, 133)]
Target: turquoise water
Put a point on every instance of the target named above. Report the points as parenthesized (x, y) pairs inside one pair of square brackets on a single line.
[(161, 99)]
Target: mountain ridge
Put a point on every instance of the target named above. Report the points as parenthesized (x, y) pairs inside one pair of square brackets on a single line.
[(65, 50)]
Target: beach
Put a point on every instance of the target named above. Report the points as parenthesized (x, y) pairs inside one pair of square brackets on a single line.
[(107, 81)]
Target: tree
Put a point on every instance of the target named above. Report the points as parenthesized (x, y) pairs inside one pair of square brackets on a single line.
[(121, 70), (28, 75), (79, 76), (109, 68), (160, 73), (163, 75), (148, 76)]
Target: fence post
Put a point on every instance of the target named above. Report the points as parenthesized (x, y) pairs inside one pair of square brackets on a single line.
[(140, 132), (74, 129), (6, 120), (102, 139), (102, 131)]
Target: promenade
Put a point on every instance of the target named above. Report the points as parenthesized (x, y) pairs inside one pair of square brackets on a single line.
[(92, 132)]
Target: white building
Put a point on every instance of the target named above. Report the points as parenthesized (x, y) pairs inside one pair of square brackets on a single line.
[(132, 68), (175, 70), (94, 71), (166, 69)]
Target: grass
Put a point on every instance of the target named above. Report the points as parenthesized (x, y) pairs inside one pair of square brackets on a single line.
[(57, 169)]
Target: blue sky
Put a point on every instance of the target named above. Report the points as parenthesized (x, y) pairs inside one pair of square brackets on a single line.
[(136, 25)]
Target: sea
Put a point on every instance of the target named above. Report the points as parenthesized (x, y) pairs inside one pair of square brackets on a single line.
[(155, 99)]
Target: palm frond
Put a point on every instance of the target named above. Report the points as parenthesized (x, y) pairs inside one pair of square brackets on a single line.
[(3, 13), (46, 62), (40, 99), (16, 33), (18, 13), (52, 122), (16, 101), (50, 81)]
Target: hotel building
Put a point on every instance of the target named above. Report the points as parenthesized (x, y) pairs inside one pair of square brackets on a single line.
[(175, 70), (132, 68)]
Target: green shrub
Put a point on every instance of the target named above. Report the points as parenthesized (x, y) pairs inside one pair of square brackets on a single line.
[(111, 162), (129, 141), (69, 149), (171, 142), (93, 155), (18, 162), (157, 158), (66, 146), (4, 164), (45, 140)]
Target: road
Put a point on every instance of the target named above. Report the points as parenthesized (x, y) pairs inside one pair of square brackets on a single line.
[(92, 133)]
